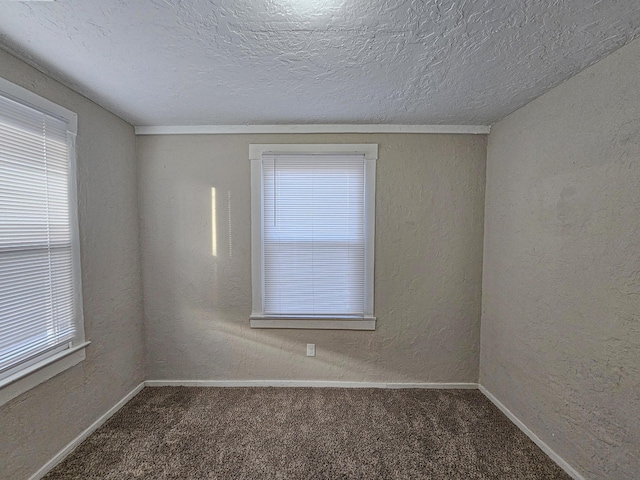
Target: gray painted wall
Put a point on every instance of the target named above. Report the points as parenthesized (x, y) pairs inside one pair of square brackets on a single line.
[(38, 424), (561, 288), (429, 222)]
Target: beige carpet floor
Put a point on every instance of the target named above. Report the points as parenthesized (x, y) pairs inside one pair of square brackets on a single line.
[(305, 433)]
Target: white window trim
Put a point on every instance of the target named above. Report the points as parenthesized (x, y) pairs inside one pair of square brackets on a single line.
[(52, 363), (257, 318)]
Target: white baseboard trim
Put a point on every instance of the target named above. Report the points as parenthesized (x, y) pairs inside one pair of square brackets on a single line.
[(303, 383), (62, 454), (540, 443)]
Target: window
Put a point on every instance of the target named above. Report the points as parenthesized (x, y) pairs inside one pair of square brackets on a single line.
[(41, 328), (313, 216)]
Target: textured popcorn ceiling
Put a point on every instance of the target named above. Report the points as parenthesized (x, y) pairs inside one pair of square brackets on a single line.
[(189, 62)]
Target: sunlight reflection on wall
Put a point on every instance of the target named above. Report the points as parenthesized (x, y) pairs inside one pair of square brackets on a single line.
[(229, 213), (214, 233)]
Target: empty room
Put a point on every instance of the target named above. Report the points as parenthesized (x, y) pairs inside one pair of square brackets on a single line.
[(320, 239)]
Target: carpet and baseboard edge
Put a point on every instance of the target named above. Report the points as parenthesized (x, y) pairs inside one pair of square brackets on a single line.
[(62, 454), (302, 383), (562, 463)]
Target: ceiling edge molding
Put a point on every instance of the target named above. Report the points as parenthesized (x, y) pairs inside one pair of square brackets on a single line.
[(319, 128)]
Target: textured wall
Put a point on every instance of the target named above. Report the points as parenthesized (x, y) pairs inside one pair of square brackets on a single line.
[(39, 423), (430, 196), (561, 289)]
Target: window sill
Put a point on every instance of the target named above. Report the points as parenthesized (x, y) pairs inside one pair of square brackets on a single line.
[(20, 382), (315, 323)]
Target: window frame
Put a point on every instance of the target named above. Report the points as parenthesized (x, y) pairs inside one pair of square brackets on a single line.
[(44, 366), (258, 319)]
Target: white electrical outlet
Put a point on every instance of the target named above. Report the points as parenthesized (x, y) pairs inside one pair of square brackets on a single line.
[(311, 349)]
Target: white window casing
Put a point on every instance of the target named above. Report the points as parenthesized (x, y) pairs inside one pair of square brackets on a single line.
[(313, 232), (41, 320)]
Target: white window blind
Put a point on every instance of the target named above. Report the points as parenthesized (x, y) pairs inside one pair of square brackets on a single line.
[(37, 297), (314, 239)]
